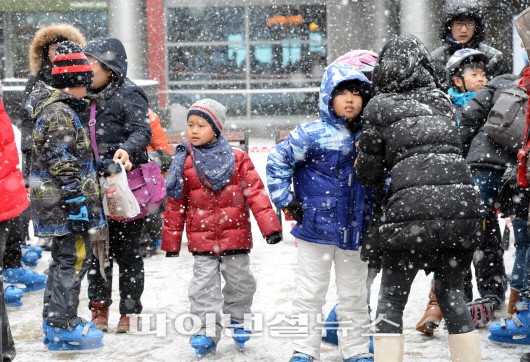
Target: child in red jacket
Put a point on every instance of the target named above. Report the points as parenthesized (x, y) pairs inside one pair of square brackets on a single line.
[(210, 188)]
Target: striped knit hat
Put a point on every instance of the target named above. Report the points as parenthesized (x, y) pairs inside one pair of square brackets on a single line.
[(70, 66), (212, 111)]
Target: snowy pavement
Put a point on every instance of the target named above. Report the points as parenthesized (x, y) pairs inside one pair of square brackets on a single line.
[(166, 297)]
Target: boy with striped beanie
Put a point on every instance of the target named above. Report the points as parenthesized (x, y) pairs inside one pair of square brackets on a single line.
[(65, 203), (70, 67)]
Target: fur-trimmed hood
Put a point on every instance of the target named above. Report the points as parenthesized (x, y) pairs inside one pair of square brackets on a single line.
[(47, 35)]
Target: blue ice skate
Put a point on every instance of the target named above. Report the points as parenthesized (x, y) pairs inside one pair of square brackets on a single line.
[(156, 243), (301, 357), (84, 336), (240, 335), (202, 344), (363, 357), (32, 280), (29, 257), (515, 330), (330, 327), (13, 296), (34, 248)]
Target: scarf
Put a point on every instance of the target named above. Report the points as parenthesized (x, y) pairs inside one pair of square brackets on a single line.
[(214, 165), (459, 98)]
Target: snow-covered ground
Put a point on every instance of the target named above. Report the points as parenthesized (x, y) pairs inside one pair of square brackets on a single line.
[(166, 296)]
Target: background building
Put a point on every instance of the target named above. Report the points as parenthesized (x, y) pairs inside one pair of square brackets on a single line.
[(262, 58)]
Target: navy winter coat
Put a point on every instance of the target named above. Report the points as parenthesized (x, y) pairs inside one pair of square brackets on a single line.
[(122, 119), (317, 158)]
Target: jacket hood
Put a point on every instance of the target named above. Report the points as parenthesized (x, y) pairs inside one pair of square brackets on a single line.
[(111, 52), (335, 74), (38, 50), (43, 95), (455, 9), (404, 64)]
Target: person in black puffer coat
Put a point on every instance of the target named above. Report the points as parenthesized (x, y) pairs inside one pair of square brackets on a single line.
[(122, 132), (432, 217), (456, 36), (488, 161)]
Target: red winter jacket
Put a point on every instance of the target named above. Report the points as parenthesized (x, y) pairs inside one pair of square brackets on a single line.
[(218, 222), (13, 197)]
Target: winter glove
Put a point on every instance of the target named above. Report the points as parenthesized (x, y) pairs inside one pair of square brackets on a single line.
[(294, 210), (77, 214), (171, 255), (274, 238), (107, 167)]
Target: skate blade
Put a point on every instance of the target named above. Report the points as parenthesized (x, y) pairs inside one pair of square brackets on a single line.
[(28, 288), (515, 339), (204, 354), (64, 347), (240, 346)]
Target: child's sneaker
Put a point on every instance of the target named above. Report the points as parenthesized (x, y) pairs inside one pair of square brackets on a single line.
[(202, 344), (13, 296), (240, 335), (32, 280), (481, 311), (84, 336), (301, 357)]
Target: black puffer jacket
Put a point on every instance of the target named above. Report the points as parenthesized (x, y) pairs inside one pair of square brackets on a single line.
[(480, 150), (409, 133), (122, 119), (455, 9)]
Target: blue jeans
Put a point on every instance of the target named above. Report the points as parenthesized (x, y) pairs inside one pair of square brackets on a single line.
[(521, 264), (489, 255)]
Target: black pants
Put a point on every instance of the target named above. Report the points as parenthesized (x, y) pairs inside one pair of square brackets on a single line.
[(17, 236), (71, 258), (396, 281), (7, 344), (124, 248)]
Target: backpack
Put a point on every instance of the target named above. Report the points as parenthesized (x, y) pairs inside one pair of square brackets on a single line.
[(507, 119)]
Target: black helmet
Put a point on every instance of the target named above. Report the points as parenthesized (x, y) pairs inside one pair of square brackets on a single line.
[(462, 9), (460, 59)]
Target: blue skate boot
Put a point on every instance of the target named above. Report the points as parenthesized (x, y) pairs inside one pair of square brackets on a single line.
[(330, 326), (363, 357), (84, 336), (202, 345), (32, 280), (13, 296), (34, 248), (301, 357), (517, 329), (29, 257), (240, 335), (156, 243)]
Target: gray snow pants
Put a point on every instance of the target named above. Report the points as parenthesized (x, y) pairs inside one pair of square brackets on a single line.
[(7, 353), (71, 258), (208, 300)]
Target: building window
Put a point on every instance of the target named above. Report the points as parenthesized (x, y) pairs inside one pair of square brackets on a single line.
[(274, 69)]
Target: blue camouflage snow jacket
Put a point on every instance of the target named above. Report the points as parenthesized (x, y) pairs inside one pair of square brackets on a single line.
[(318, 158)]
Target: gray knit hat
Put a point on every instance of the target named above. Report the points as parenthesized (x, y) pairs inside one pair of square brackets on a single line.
[(212, 111)]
